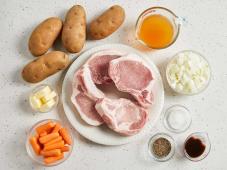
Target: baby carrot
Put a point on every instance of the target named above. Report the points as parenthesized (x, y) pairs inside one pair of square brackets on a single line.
[(57, 127), (58, 139), (43, 134), (36, 136), (45, 127), (57, 145), (54, 152), (35, 145), (65, 149), (65, 135), (48, 137), (49, 160)]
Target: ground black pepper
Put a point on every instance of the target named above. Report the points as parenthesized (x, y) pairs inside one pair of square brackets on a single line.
[(161, 147)]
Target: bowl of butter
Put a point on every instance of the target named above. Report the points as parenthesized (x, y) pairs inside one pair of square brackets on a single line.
[(43, 98)]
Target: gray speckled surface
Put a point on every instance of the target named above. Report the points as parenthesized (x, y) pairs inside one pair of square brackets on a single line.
[(204, 30)]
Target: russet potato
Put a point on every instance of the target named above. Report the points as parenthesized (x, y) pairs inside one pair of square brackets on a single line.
[(45, 66), (107, 23), (44, 35), (74, 29)]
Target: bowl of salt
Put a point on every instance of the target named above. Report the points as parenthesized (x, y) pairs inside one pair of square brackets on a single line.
[(177, 119)]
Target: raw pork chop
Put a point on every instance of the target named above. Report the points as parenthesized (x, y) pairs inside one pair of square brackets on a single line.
[(122, 115), (99, 64), (81, 100), (131, 74), (86, 108), (87, 85)]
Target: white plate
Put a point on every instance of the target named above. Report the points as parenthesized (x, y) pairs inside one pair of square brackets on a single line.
[(103, 135)]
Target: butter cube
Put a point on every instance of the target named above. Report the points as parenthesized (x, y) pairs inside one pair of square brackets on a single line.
[(43, 92), (47, 106), (48, 97), (35, 102)]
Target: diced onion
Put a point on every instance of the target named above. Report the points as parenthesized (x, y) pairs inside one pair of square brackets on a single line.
[(188, 72)]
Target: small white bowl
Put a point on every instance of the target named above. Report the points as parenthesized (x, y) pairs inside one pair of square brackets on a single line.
[(153, 139), (185, 113), (39, 159), (183, 92), (36, 89), (203, 136)]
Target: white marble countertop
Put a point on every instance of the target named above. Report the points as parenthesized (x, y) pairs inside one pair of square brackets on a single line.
[(204, 30)]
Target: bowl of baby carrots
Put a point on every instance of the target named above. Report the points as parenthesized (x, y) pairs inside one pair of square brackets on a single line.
[(49, 142)]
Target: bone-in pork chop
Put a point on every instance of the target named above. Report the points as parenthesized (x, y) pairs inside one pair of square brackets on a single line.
[(84, 104), (99, 64), (132, 75), (122, 115)]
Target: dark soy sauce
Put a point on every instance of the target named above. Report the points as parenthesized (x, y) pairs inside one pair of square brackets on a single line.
[(194, 147)]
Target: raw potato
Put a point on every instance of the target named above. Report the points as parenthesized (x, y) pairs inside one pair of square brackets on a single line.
[(45, 66), (74, 29), (107, 23), (44, 35)]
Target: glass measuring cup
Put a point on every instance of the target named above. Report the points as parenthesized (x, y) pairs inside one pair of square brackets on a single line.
[(165, 13)]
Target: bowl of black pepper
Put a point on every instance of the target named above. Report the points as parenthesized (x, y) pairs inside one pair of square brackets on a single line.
[(161, 147)]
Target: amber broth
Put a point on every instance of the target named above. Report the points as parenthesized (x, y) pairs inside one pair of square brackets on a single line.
[(156, 31)]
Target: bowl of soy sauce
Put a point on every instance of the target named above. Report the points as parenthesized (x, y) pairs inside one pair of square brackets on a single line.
[(197, 146)]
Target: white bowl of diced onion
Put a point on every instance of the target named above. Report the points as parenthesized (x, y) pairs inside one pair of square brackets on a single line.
[(188, 73)]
